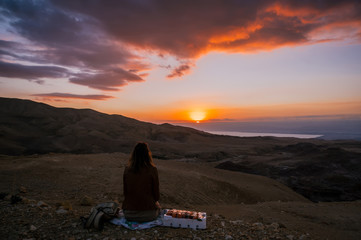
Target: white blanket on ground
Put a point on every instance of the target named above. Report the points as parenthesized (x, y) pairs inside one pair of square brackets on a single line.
[(135, 225)]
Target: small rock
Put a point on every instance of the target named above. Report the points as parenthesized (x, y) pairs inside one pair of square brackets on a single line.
[(282, 225), (32, 228), (133, 238), (258, 226), (222, 223), (290, 237), (25, 200), (61, 211), (86, 201), (236, 222), (22, 189), (42, 204), (66, 205), (274, 225), (228, 237), (216, 216)]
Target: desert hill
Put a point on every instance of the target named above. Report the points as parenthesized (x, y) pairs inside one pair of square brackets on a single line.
[(28, 127), (318, 169), (54, 158), (239, 206), (319, 172)]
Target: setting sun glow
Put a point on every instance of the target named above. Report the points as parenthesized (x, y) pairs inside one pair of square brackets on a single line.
[(197, 116), (284, 60)]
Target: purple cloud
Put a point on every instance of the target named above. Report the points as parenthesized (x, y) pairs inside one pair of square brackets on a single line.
[(67, 38), (188, 29), (179, 71), (73, 96), (109, 80), (99, 35), (14, 70)]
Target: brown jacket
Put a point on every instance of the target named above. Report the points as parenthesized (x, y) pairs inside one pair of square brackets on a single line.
[(141, 189)]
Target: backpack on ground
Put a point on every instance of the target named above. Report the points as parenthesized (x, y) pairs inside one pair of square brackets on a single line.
[(100, 214)]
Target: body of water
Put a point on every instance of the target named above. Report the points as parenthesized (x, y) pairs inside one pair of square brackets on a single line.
[(328, 129), (251, 134)]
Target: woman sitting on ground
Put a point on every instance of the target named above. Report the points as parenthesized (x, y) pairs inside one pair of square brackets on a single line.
[(141, 186)]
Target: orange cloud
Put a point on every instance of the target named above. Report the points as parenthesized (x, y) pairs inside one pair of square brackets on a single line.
[(189, 28), (100, 36), (235, 33)]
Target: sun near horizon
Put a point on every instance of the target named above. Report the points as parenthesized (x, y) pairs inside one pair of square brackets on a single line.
[(197, 116), (241, 68)]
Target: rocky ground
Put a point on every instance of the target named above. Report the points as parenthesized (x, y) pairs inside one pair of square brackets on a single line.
[(44, 196), (32, 219)]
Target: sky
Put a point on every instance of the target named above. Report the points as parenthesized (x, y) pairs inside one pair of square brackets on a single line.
[(189, 60)]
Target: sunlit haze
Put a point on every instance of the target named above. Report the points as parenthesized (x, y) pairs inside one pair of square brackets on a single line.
[(180, 61), (198, 115)]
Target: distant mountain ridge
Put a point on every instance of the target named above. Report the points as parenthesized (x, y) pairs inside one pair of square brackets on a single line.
[(318, 169), (28, 127)]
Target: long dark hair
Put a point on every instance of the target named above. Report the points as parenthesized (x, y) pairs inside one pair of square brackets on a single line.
[(141, 157)]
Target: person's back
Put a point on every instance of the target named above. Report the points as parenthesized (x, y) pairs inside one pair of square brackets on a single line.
[(141, 189), (141, 186)]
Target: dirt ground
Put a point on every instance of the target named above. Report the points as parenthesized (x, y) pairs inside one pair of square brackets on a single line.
[(238, 206)]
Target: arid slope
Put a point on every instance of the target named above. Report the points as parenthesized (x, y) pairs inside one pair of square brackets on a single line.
[(249, 203)]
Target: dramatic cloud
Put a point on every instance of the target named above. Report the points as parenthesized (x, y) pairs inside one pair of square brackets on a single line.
[(73, 96), (108, 81), (69, 39), (13, 70), (95, 36), (191, 28)]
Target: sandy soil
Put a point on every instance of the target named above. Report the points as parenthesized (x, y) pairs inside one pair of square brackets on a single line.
[(239, 206)]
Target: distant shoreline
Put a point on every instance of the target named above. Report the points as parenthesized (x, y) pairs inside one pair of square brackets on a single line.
[(253, 134), (334, 129)]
